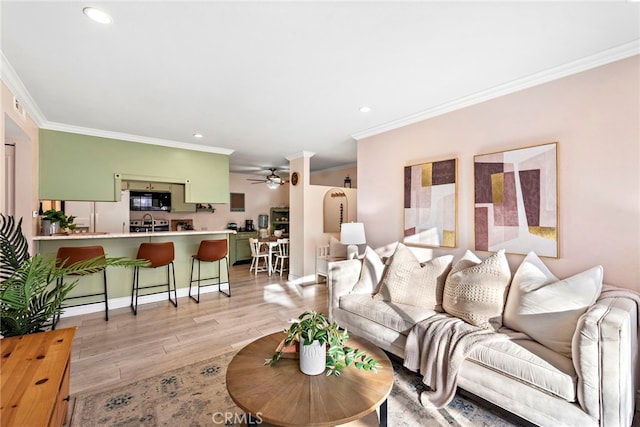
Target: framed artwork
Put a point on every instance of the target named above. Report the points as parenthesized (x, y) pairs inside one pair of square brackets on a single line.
[(516, 200), (430, 204)]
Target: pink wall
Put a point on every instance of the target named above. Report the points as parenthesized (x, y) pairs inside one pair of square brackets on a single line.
[(595, 118)]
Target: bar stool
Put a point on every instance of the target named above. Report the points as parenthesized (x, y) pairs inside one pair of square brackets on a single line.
[(68, 256), (158, 255), (210, 251)]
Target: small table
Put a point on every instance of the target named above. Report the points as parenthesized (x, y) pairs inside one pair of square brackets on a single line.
[(271, 244), (284, 396)]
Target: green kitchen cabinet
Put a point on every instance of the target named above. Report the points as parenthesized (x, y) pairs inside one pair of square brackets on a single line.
[(102, 162), (177, 200), (149, 186), (239, 249)]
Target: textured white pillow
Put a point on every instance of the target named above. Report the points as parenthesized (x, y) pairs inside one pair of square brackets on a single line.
[(371, 274), (476, 290), (407, 281), (546, 308), (337, 249)]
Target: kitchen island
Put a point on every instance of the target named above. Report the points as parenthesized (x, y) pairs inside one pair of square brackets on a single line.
[(126, 245)]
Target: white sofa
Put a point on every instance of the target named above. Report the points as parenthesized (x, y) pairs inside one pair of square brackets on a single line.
[(596, 385)]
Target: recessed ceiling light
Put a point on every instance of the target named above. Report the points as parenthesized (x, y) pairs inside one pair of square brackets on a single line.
[(365, 109), (197, 135), (97, 15)]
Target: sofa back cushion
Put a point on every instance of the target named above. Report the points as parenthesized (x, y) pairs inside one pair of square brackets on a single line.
[(475, 290), (371, 273), (547, 308), (408, 281)]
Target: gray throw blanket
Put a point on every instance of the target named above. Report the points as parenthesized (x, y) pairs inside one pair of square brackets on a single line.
[(436, 347)]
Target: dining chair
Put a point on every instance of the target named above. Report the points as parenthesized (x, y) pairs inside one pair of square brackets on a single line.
[(257, 254), (282, 257)]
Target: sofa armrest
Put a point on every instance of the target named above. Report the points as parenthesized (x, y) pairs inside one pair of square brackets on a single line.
[(605, 355), (341, 278)]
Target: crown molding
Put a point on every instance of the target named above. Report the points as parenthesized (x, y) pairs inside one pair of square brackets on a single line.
[(14, 83), (61, 127), (300, 154), (605, 57)]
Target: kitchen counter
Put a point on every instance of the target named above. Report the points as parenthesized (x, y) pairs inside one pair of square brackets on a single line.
[(76, 236), (120, 279)]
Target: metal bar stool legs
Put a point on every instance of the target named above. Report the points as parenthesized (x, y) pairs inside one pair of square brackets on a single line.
[(158, 255), (210, 251)]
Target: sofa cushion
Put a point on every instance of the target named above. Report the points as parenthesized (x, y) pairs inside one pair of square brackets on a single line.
[(337, 249), (399, 317), (408, 281), (476, 290), (546, 308), (529, 362), (371, 274)]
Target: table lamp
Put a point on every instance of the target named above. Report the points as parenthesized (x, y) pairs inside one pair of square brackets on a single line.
[(352, 234)]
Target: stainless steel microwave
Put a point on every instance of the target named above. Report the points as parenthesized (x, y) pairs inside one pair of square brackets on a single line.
[(149, 201)]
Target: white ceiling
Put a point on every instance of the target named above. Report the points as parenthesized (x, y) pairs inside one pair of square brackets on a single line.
[(271, 79)]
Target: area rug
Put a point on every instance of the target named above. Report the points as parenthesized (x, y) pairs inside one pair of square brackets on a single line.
[(196, 395)]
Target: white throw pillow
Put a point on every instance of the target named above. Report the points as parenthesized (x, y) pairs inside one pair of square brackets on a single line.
[(337, 249), (408, 281), (547, 308), (476, 290), (371, 274)]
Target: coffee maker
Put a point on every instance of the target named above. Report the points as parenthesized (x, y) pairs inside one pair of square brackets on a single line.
[(248, 225)]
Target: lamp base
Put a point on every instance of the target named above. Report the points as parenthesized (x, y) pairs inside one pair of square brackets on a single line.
[(352, 252)]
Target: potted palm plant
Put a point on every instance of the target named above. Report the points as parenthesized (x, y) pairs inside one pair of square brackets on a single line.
[(320, 338), (29, 297)]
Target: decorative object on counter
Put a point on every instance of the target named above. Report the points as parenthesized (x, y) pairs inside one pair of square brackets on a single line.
[(314, 329), (55, 221), (29, 299), (347, 182), (205, 207), (352, 234), (181, 224)]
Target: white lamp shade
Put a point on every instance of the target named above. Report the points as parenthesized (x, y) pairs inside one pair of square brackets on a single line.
[(352, 234)]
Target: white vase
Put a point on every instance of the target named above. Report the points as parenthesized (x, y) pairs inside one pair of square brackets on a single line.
[(313, 358)]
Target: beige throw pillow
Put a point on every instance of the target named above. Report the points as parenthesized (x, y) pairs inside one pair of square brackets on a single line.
[(371, 274), (547, 308), (476, 290), (407, 281), (337, 249)]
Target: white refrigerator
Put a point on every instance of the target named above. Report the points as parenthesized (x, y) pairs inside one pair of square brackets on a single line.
[(101, 217)]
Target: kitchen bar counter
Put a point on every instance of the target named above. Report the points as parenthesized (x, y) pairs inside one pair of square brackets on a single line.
[(120, 279), (74, 236)]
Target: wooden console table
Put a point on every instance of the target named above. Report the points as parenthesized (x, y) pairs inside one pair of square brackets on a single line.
[(34, 373)]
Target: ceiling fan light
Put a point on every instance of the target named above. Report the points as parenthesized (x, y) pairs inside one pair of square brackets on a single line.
[(272, 184)]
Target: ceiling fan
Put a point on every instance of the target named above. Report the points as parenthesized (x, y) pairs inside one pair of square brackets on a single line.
[(272, 180)]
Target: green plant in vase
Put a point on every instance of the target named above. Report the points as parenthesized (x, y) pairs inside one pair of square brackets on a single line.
[(64, 222), (29, 295), (312, 326)]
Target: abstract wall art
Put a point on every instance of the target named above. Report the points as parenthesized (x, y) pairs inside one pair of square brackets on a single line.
[(430, 203), (516, 200)]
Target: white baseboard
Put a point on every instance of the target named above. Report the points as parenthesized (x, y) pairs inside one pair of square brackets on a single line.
[(122, 302)]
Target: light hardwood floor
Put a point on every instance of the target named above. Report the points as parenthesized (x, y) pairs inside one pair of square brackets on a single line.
[(163, 337)]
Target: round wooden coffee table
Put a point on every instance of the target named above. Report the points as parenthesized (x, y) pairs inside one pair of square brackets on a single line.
[(284, 396)]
